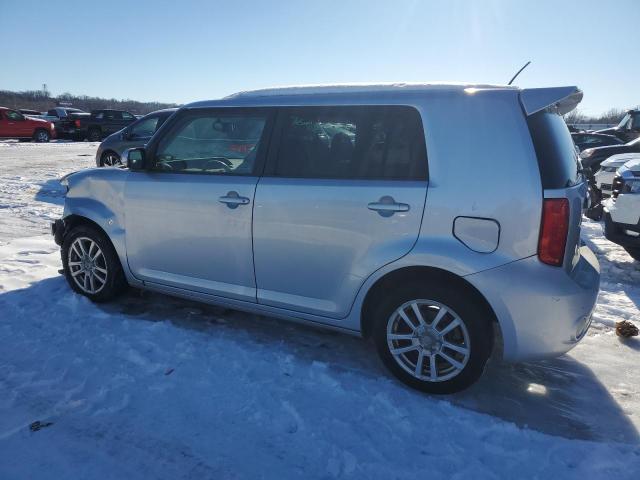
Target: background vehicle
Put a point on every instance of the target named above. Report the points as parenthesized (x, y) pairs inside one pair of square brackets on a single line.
[(297, 203), (591, 140), (135, 135), (622, 210), (604, 177), (64, 119), (628, 129), (592, 157), (102, 123), (13, 124)]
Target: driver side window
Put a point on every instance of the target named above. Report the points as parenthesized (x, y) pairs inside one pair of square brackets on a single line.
[(212, 143)]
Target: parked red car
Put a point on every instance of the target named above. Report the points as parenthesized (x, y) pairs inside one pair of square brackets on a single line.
[(13, 124)]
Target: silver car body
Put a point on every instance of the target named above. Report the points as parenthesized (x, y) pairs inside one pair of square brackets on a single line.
[(311, 249)]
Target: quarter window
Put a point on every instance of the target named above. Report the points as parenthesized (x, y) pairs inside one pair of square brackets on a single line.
[(352, 143), (212, 143)]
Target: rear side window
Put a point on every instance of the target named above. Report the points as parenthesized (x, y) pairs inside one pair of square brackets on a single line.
[(557, 157), (352, 143)]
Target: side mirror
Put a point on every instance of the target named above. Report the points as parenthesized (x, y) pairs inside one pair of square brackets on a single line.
[(134, 158)]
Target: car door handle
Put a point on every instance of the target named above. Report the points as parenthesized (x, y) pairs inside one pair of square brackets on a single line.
[(387, 206), (232, 199)]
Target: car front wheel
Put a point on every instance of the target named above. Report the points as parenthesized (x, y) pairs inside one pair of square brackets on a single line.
[(110, 159), (432, 337), (91, 264), (95, 135)]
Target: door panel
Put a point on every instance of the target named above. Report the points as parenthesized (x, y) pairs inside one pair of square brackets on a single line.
[(14, 125), (342, 196), (316, 241), (188, 221), (179, 233)]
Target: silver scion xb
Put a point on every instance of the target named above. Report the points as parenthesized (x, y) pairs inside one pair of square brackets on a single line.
[(439, 220)]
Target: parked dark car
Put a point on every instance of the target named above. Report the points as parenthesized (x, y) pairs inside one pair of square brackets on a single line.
[(591, 140), (137, 134), (628, 129), (102, 123), (592, 157), (64, 119)]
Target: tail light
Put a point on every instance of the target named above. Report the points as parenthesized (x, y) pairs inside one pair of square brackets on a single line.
[(77, 123), (553, 231)]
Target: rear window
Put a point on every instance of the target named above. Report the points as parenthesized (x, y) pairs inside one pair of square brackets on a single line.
[(557, 157)]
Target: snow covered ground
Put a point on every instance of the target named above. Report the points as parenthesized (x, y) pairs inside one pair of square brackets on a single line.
[(155, 387)]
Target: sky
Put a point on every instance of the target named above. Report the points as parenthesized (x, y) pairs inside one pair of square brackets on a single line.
[(183, 51)]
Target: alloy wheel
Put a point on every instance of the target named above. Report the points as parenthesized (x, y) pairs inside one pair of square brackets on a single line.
[(428, 340), (111, 160), (87, 265)]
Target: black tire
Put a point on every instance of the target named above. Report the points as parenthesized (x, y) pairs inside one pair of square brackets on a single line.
[(465, 306), (634, 252), (94, 135), (110, 159), (114, 282), (41, 136)]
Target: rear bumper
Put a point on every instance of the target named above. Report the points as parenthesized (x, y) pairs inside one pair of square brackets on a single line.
[(543, 311)]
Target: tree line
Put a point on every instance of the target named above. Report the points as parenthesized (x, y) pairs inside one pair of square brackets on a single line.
[(42, 101), (613, 115)]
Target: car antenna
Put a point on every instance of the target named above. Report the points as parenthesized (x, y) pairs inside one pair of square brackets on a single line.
[(518, 72)]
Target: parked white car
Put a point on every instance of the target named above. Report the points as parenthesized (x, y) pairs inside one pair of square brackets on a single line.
[(604, 177), (622, 210)]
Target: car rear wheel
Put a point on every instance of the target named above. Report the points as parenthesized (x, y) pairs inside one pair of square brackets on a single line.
[(110, 159), (95, 135), (634, 252), (432, 337), (91, 264), (41, 136)]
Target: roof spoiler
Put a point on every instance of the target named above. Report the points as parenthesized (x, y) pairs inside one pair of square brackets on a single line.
[(560, 99)]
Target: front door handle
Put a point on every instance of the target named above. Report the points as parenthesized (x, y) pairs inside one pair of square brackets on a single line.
[(387, 206), (232, 199)]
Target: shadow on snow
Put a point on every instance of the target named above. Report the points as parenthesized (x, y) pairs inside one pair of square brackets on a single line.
[(559, 397)]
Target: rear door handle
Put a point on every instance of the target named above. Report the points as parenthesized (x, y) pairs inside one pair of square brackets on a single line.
[(387, 206), (232, 199)]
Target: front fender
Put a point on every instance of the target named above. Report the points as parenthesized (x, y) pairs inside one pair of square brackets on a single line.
[(98, 195)]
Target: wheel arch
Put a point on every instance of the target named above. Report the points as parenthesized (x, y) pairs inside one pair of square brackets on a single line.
[(74, 220), (417, 273)]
